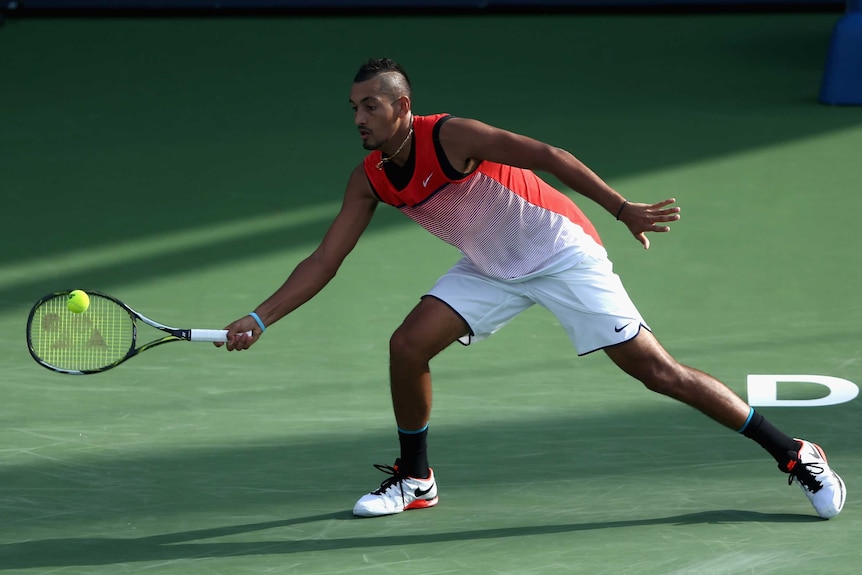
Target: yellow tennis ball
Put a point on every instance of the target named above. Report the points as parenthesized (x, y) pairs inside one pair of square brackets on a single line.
[(78, 301)]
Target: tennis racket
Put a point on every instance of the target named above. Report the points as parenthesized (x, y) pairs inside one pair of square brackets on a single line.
[(98, 339)]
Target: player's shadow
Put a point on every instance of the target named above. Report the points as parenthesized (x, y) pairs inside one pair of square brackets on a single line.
[(188, 544)]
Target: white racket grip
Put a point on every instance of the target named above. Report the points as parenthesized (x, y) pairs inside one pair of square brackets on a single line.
[(209, 335)]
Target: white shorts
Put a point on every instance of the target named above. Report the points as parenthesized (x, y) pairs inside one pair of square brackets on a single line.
[(588, 299)]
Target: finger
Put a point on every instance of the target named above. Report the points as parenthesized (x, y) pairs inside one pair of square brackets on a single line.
[(234, 341), (641, 237), (663, 203), (240, 342), (245, 340)]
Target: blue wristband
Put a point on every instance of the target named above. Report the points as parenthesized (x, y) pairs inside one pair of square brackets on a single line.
[(259, 322)]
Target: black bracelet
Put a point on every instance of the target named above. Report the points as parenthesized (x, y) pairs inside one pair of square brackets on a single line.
[(619, 211)]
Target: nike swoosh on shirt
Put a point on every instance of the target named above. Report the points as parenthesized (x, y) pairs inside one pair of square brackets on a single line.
[(619, 329), (426, 180)]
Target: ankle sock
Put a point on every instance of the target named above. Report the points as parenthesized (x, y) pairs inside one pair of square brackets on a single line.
[(781, 447), (414, 453)]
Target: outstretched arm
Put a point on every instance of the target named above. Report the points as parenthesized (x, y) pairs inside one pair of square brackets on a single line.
[(468, 141), (312, 274)]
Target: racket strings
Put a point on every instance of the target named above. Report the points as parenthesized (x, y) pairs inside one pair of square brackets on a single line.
[(88, 341)]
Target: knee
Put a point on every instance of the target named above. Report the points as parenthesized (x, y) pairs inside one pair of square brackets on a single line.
[(405, 346), (664, 377)]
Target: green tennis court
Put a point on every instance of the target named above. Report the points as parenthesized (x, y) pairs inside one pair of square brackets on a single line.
[(186, 165)]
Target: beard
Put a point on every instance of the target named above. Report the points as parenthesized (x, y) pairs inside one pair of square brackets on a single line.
[(371, 144)]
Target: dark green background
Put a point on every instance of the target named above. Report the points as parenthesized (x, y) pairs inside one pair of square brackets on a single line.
[(186, 165)]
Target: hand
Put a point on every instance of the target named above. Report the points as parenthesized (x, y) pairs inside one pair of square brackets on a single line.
[(642, 218), (237, 334)]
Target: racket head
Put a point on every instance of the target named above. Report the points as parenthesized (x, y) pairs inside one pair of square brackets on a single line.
[(95, 340)]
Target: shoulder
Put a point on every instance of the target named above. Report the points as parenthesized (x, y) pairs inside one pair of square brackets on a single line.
[(358, 185), (466, 137), (454, 126), (462, 142)]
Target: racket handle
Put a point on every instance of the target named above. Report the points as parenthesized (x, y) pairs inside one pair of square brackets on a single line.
[(209, 335)]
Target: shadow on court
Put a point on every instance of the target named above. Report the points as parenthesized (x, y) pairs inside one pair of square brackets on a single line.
[(188, 545), (82, 493), (137, 129), (161, 126)]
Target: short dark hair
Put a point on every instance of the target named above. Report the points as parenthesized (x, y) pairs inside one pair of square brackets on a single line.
[(377, 66)]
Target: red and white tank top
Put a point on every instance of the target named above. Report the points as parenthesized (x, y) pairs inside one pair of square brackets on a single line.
[(509, 222)]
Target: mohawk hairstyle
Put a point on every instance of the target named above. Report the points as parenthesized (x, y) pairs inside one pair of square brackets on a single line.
[(377, 66)]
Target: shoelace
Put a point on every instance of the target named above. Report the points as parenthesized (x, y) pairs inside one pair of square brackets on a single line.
[(805, 474), (396, 478)]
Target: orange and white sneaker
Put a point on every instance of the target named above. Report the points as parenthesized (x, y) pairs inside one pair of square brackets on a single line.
[(822, 485), (397, 493)]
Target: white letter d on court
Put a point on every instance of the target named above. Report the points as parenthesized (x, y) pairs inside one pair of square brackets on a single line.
[(763, 390)]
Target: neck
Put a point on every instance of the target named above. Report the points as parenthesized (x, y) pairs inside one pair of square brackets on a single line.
[(399, 154)]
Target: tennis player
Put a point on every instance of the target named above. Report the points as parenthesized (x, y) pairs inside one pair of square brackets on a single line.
[(523, 243)]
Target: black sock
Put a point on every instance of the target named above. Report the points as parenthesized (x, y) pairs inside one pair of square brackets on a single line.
[(414, 453), (782, 447)]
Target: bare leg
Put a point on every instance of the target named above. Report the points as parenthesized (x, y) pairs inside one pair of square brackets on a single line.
[(429, 329), (646, 360)]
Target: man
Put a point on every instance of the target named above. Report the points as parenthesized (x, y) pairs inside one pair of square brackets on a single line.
[(524, 243)]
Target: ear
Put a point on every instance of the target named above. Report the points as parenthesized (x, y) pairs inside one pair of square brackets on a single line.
[(404, 106)]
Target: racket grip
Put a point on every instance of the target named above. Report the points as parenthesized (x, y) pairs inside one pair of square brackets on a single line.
[(209, 335)]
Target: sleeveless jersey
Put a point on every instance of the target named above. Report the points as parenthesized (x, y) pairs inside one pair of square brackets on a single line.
[(509, 222)]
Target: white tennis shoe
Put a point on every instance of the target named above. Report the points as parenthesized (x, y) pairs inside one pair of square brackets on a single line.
[(397, 493), (822, 485)]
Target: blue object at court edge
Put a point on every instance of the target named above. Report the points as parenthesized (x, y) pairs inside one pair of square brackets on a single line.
[(842, 79)]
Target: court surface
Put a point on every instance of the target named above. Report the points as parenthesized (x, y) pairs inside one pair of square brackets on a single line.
[(185, 166)]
